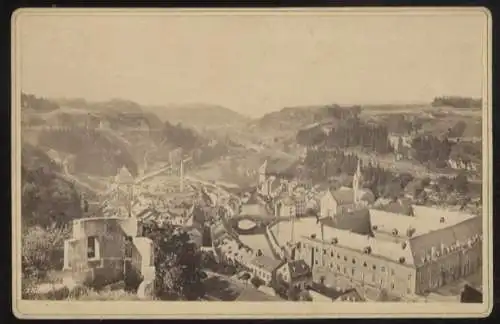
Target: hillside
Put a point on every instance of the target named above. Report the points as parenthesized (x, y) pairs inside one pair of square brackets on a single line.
[(47, 197), (291, 119), (199, 116), (98, 138)]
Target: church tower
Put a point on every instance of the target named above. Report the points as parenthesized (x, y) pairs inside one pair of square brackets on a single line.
[(356, 180)]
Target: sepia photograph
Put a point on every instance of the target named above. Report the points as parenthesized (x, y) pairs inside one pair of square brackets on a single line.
[(251, 163)]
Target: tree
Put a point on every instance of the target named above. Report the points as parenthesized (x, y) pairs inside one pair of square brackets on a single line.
[(177, 262), (257, 282), (42, 251), (461, 183)]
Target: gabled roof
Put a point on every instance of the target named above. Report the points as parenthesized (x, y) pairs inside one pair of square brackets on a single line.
[(357, 221), (298, 269), (124, 176), (265, 262)]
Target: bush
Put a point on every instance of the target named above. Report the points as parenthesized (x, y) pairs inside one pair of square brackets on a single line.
[(42, 250), (257, 282)]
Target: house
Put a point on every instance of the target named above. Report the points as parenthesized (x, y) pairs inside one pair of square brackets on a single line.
[(286, 207), (264, 267), (104, 250), (295, 273), (300, 205), (343, 200), (346, 199), (350, 295), (405, 255)]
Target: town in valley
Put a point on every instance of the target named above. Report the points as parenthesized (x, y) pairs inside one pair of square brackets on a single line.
[(359, 205), (312, 160)]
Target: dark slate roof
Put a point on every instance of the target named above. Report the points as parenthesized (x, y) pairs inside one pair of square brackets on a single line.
[(421, 245), (298, 269), (357, 221)]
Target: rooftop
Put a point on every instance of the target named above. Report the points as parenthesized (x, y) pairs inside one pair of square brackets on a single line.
[(252, 294), (298, 269), (429, 233), (266, 262)]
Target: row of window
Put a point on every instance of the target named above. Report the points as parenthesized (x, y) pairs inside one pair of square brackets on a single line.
[(352, 260)]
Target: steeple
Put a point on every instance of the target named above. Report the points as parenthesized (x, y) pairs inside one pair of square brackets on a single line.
[(356, 182)]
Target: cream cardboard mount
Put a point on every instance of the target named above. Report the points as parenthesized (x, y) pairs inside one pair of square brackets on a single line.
[(251, 163)]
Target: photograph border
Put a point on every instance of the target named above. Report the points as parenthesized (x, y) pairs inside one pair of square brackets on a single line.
[(224, 310)]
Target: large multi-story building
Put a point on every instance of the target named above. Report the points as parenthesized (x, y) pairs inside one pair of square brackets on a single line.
[(404, 255)]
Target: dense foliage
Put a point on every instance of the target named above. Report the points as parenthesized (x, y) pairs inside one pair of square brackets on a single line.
[(351, 132), (457, 102), (39, 104), (332, 165), (47, 198), (95, 153), (178, 264), (432, 149), (180, 136)]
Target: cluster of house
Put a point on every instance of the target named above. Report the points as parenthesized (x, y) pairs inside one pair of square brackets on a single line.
[(295, 199), (405, 249), (401, 143), (403, 254)]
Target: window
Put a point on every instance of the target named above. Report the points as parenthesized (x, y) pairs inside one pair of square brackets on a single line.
[(375, 267), (128, 247), (317, 250), (353, 261), (331, 254), (382, 269), (364, 264), (392, 272), (92, 247), (324, 251), (338, 256), (331, 265), (352, 271), (345, 258), (315, 261), (345, 270), (392, 285), (338, 268)]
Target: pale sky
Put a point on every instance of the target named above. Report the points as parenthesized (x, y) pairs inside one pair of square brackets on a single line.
[(254, 64)]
